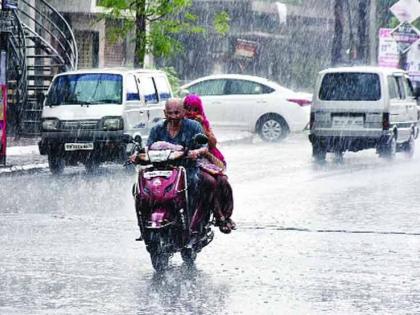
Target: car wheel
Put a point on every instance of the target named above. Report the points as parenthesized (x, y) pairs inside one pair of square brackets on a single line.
[(272, 128), (56, 164), (339, 156)]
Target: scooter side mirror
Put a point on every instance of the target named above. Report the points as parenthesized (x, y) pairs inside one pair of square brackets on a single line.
[(129, 139), (138, 139), (126, 139), (200, 139)]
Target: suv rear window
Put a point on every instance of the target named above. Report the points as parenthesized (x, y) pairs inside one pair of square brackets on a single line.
[(350, 87)]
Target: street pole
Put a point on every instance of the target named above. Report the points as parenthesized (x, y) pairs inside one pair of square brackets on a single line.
[(3, 98), (373, 33), (4, 46)]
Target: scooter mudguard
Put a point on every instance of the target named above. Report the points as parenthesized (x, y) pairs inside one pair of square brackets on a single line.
[(159, 218)]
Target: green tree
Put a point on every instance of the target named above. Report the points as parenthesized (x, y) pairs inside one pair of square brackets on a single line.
[(155, 22)]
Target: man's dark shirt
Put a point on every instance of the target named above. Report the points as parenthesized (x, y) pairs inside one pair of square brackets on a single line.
[(189, 128)]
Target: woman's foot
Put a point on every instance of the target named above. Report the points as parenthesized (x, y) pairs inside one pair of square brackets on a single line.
[(231, 223), (226, 225)]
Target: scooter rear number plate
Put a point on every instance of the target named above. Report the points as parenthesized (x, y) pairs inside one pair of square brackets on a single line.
[(152, 174)]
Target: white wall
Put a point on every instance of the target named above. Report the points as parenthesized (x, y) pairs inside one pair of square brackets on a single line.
[(73, 6)]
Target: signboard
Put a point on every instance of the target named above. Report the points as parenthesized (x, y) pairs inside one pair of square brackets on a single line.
[(3, 139), (406, 10), (388, 55), (413, 63), (405, 35), (245, 48)]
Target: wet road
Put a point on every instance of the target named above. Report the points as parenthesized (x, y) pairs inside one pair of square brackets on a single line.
[(339, 238)]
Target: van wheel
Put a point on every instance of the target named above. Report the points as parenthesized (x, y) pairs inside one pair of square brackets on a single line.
[(56, 164), (272, 128), (409, 147), (339, 156), (91, 166), (319, 153), (388, 150)]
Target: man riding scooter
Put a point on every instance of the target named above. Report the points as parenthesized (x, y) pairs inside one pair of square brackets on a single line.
[(178, 130)]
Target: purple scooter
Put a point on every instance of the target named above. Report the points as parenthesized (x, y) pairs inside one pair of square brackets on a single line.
[(162, 205)]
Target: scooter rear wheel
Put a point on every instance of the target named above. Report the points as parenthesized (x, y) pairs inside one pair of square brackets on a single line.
[(188, 256), (160, 259)]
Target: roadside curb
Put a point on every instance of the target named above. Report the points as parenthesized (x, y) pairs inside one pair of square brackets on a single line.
[(22, 169)]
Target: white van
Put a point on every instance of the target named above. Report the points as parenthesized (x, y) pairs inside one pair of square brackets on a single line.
[(356, 108), (89, 114)]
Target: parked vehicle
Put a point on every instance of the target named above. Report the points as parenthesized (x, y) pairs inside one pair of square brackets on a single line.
[(252, 104), (356, 108), (87, 114), (162, 204)]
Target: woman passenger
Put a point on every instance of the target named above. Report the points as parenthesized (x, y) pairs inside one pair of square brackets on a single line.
[(215, 165)]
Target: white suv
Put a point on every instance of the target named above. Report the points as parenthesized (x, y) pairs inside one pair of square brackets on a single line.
[(356, 108), (89, 114)]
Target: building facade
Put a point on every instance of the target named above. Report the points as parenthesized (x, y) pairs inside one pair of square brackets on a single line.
[(96, 48)]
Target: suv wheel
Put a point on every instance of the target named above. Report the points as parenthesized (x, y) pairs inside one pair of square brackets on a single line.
[(319, 152), (91, 166), (272, 128), (389, 149), (409, 147), (56, 164)]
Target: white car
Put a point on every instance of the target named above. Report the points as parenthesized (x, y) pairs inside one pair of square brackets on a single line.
[(252, 104)]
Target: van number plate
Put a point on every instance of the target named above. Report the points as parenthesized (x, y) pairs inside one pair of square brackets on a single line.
[(78, 146), (342, 122)]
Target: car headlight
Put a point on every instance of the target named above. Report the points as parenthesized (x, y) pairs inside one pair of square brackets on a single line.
[(113, 123), (50, 124)]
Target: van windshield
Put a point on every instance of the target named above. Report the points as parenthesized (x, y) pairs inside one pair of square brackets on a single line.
[(86, 89), (350, 87)]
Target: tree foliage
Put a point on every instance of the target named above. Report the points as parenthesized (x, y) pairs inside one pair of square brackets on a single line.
[(155, 23)]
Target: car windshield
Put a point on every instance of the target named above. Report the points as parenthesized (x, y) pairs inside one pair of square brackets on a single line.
[(86, 89), (350, 87)]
